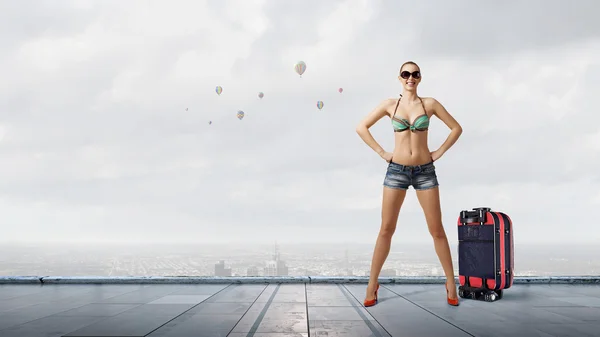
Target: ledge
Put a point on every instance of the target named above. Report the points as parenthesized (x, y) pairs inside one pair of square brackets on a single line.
[(273, 279)]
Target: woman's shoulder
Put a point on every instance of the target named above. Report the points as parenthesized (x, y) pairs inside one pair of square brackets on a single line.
[(430, 102), (390, 104)]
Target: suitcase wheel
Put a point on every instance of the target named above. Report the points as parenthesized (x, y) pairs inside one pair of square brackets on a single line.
[(490, 297), (466, 293), (493, 296)]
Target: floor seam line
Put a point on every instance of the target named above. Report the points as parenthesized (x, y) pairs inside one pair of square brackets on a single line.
[(307, 317), (205, 300), (262, 313), (430, 312), (83, 305), (245, 312), (347, 293)]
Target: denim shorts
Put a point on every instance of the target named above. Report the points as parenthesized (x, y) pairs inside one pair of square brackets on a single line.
[(421, 177)]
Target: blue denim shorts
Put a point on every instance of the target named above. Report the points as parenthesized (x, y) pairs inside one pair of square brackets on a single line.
[(421, 177)]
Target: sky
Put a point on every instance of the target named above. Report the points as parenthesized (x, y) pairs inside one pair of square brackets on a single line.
[(97, 145)]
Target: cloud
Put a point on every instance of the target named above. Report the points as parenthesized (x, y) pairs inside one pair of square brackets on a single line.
[(472, 29), (93, 121)]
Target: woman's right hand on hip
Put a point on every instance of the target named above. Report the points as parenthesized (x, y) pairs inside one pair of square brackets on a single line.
[(387, 156)]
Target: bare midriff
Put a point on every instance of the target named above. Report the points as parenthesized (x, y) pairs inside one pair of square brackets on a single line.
[(411, 148)]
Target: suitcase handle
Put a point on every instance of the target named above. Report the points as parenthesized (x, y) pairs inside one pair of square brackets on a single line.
[(476, 215), (469, 220)]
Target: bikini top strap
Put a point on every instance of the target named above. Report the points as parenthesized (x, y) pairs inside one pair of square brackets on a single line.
[(394, 115), (423, 105)]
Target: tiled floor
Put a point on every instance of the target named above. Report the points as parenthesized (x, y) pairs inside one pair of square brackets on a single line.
[(278, 310)]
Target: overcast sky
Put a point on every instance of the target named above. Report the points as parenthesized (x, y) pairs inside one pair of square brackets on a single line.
[(96, 143)]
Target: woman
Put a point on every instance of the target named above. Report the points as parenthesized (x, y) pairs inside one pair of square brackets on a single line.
[(411, 163)]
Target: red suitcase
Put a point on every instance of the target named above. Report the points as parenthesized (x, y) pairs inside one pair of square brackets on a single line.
[(485, 254)]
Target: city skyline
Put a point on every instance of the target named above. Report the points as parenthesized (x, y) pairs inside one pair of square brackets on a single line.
[(297, 260)]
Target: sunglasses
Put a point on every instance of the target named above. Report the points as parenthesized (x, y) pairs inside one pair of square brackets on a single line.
[(406, 74)]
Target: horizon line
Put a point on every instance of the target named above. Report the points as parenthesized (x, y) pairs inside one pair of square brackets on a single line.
[(271, 242)]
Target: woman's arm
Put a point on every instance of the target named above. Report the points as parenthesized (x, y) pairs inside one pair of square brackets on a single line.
[(363, 127), (451, 123)]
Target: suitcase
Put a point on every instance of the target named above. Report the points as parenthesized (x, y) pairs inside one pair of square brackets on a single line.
[(485, 254)]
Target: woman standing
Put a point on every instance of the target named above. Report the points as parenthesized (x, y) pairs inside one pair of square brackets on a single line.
[(411, 164)]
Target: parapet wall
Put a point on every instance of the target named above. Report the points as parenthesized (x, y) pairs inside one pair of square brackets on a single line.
[(273, 279)]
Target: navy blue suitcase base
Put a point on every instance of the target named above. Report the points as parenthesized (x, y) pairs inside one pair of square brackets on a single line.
[(485, 254)]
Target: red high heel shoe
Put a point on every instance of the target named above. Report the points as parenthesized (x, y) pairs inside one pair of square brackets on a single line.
[(451, 301), (370, 303)]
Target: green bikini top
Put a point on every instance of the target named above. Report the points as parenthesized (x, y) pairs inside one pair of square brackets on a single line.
[(421, 123)]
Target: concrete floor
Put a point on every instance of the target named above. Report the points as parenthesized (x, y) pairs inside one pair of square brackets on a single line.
[(296, 309)]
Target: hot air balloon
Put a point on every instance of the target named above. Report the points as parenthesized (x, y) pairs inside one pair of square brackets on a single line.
[(219, 90), (240, 115), (300, 68), (340, 90), (320, 105), (261, 95)]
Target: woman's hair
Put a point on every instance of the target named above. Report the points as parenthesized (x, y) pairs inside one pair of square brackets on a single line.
[(409, 62)]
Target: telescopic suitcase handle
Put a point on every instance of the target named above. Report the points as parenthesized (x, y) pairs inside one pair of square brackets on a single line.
[(476, 215)]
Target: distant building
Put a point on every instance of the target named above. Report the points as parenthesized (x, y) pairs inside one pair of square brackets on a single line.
[(252, 271), (282, 269), (220, 269), (271, 268), (276, 266)]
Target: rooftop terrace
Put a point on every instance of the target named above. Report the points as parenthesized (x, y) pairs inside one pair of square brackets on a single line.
[(289, 306)]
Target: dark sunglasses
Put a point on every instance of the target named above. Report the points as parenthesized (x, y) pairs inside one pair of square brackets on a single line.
[(406, 74)]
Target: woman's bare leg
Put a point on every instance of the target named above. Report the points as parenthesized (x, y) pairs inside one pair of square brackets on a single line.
[(430, 202), (392, 201)]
